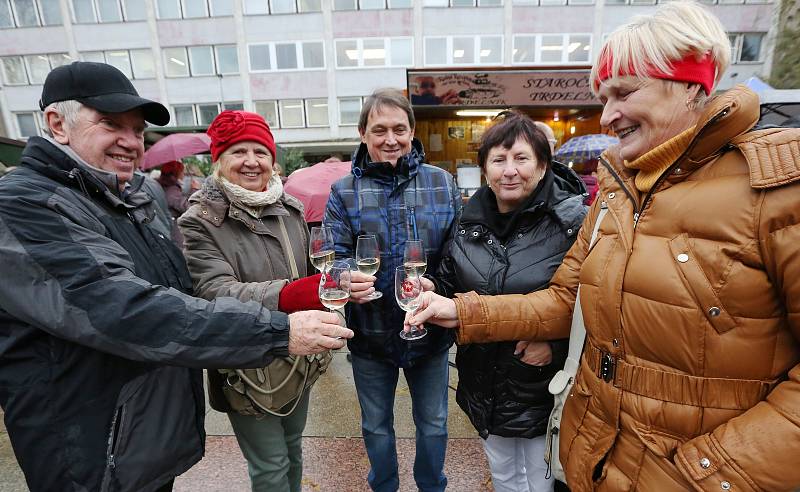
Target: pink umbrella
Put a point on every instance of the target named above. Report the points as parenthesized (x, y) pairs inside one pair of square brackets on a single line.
[(312, 185), (174, 147)]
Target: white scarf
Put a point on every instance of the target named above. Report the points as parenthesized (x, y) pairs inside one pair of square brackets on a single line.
[(255, 201)]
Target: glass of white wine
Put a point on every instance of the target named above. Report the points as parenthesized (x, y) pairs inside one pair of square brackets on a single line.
[(334, 285), (368, 259), (414, 259), (320, 247), (407, 289)]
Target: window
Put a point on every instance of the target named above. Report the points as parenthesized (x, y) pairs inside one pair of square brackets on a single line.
[(291, 111), (552, 48), (38, 67), (135, 64), (26, 12), (90, 11), (349, 110), (303, 55), (6, 17), (269, 110), (135, 11), (14, 71), (121, 60), (345, 4), (221, 7), (317, 112), (464, 50), (29, 13), (436, 3), (175, 62), (109, 10), (565, 2), (463, 3), (206, 113), (194, 8), (285, 56), (371, 4), (59, 59), (201, 60), (184, 116), (374, 52), (746, 47), (50, 11), (261, 7), (28, 124), (143, 64), (227, 59), (233, 106)]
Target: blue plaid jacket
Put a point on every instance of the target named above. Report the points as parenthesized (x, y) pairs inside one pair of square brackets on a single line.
[(411, 200)]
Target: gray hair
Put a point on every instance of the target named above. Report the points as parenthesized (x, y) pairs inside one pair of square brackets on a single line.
[(385, 97), (67, 109)]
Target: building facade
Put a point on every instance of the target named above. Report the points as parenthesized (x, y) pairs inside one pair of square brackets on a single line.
[(306, 65)]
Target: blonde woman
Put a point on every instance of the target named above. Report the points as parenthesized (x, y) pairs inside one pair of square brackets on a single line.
[(690, 376)]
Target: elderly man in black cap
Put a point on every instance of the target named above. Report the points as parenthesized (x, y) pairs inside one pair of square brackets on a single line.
[(98, 331)]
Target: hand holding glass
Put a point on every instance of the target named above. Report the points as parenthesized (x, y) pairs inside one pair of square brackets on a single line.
[(368, 259), (407, 289), (320, 247)]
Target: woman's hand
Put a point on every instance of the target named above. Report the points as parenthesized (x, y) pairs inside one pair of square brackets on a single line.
[(434, 308), (361, 285), (427, 284), (534, 353)]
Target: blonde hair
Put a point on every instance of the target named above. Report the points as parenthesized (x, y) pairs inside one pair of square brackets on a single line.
[(675, 30)]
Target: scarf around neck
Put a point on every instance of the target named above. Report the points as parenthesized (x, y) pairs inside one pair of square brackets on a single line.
[(254, 201), (652, 164)]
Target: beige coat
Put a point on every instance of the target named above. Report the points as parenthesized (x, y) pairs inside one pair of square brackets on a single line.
[(231, 253), (696, 308)]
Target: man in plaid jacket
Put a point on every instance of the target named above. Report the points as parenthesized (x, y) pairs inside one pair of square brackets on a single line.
[(391, 193)]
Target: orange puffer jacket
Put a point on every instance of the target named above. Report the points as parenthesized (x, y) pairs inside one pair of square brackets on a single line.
[(690, 378)]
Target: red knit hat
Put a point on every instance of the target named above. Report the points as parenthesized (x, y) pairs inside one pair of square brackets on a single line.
[(689, 69), (230, 127)]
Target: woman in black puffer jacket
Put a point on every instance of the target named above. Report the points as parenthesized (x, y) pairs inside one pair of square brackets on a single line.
[(510, 239)]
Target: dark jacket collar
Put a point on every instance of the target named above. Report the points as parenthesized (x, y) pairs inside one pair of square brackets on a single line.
[(407, 165), (59, 163)]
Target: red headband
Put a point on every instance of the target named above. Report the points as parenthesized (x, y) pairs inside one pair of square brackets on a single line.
[(689, 69), (230, 127)]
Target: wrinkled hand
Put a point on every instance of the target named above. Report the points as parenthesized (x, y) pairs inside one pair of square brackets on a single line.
[(361, 285), (312, 332), (427, 284), (534, 353), (434, 308)]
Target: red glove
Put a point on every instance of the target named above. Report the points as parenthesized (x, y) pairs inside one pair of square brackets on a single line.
[(300, 295)]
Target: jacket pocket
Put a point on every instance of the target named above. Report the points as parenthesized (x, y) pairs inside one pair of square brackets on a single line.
[(699, 286)]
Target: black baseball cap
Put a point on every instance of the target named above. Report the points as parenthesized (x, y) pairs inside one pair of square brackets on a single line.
[(99, 86)]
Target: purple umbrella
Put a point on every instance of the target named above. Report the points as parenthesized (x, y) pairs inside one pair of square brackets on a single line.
[(174, 147)]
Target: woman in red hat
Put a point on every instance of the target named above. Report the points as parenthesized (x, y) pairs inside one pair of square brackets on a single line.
[(245, 238)]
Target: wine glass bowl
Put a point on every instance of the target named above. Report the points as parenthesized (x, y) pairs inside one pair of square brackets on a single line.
[(320, 247), (334, 285), (368, 259), (407, 289), (414, 259)]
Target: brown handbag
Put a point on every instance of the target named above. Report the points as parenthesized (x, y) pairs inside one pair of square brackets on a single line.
[(281, 384)]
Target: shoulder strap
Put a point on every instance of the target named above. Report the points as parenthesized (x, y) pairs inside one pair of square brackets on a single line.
[(577, 333), (287, 246)]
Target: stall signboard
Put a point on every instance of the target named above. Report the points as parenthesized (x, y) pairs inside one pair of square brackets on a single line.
[(501, 88)]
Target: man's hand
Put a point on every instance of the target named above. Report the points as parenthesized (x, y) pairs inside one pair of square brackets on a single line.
[(434, 308), (361, 285), (534, 353), (312, 332)]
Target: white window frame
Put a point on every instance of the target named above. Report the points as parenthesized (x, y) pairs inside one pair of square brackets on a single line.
[(15, 17), (24, 72), (216, 59), (209, 11), (36, 119), (273, 58), (197, 111), (274, 105), (564, 49), (174, 118), (339, 108), (211, 50), (133, 63), (206, 9), (306, 103), (302, 113), (736, 49), (121, 10), (387, 49), (476, 40)]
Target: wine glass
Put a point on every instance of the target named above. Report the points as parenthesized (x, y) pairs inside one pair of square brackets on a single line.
[(334, 285), (414, 259), (407, 288), (320, 247), (368, 259)]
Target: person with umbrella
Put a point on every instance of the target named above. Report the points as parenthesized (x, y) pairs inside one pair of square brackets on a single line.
[(171, 181)]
